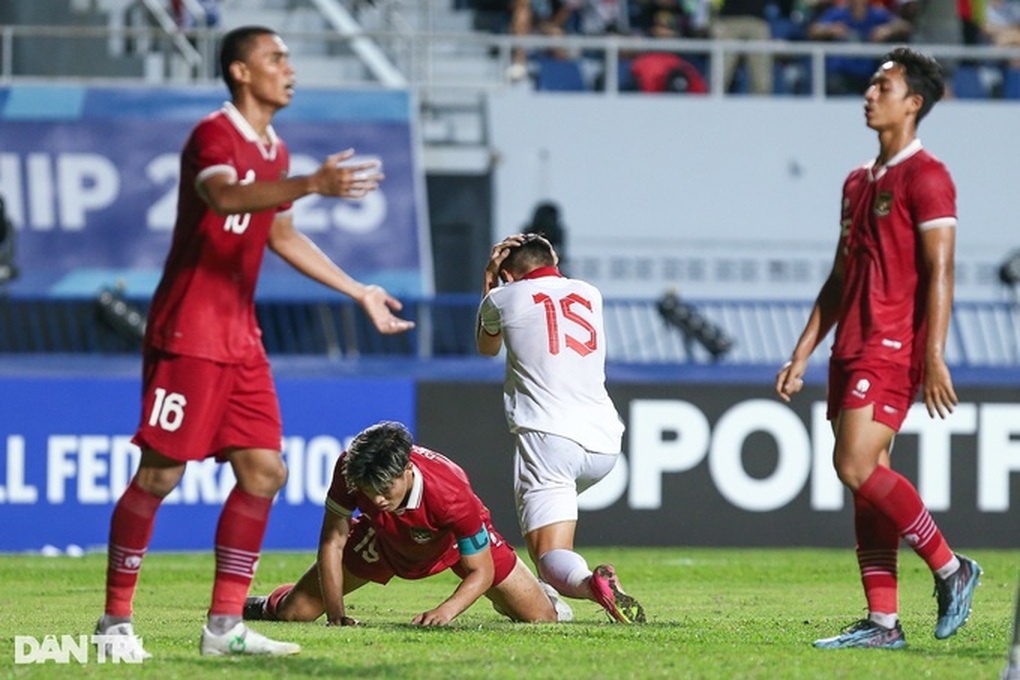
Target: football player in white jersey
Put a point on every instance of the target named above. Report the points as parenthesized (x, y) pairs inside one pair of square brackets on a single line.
[(567, 430)]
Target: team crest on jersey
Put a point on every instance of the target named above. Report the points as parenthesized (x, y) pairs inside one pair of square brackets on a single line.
[(883, 203), (420, 535)]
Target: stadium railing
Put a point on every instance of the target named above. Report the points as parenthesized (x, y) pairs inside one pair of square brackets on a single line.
[(982, 334), (435, 61)]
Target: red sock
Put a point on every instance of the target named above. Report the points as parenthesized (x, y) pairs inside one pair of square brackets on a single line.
[(130, 531), (273, 601), (877, 551), (898, 500), (238, 542)]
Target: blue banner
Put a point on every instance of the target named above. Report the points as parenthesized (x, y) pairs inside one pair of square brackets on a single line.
[(89, 177), (66, 459)]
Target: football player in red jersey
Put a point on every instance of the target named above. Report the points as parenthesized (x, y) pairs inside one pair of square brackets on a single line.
[(207, 386), (890, 296), (418, 516)]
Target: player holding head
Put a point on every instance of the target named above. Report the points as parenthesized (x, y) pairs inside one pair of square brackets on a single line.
[(419, 516), (207, 386), (890, 296), (567, 431)]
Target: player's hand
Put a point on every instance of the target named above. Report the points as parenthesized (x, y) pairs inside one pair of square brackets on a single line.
[(433, 617), (939, 395), (380, 305), (355, 180), (838, 31), (496, 258), (790, 379), (344, 621)]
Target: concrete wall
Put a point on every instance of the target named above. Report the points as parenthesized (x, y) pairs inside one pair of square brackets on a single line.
[(735, 198)]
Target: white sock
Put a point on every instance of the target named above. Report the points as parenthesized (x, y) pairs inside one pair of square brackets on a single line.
[(883, 619), (948, 569), (567, 572)]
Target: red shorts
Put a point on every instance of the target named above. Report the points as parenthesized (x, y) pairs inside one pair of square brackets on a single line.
[(363, 559), (890, 387), (193, 408)]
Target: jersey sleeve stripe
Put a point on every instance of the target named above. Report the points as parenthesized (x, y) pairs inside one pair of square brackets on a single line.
[(215, 170), (338, 509), (937, 222)]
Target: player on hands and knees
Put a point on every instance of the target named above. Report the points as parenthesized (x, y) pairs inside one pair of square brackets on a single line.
[(890, 297), (568, 434), (419, 517)]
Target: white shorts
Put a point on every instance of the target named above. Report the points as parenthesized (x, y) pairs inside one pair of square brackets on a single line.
[(549, 473)]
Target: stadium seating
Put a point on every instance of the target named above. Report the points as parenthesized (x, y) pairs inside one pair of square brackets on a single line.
[(560, 75), (967, 83), (1011, 84)]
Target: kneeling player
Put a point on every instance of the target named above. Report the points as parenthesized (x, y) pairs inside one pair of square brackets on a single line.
[(418, 517)]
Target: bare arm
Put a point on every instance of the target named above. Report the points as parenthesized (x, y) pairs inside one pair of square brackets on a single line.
[(895, 29), (227, 196), (332, 539), (937, 250), (834, 30), (559, 19), (521, 21), (479, 572), (790, 378), (299, 252)]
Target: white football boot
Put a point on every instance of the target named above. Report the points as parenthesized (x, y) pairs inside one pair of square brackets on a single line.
[(243, 640), (118, 641)]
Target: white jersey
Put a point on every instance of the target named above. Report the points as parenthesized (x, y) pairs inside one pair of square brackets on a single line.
[(556, 357)]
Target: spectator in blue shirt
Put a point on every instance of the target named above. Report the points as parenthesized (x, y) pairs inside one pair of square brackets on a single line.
[(857, 21)]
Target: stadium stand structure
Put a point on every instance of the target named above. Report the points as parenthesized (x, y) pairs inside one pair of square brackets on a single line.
[(560, 75), (760, 332), (431, 48), (430, 45)]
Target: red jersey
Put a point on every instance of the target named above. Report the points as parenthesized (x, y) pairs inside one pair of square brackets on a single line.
[(883, 314), (421, 539), (204, 304)]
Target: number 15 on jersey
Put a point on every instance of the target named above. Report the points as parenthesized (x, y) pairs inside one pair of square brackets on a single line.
[(563, 312)]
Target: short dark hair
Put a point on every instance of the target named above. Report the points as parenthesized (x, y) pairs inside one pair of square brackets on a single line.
[(923, 74), (378, 455), (533, 252), (235, 46)]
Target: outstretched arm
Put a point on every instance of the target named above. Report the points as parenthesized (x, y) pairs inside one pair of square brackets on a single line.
[(790, 378), (299, 252), (937, 250), (227, 196)]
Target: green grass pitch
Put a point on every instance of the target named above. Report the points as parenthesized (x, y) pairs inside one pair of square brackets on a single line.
[(712, 613)]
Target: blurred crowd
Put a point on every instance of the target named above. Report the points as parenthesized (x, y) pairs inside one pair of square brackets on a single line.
[(941, 22)]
